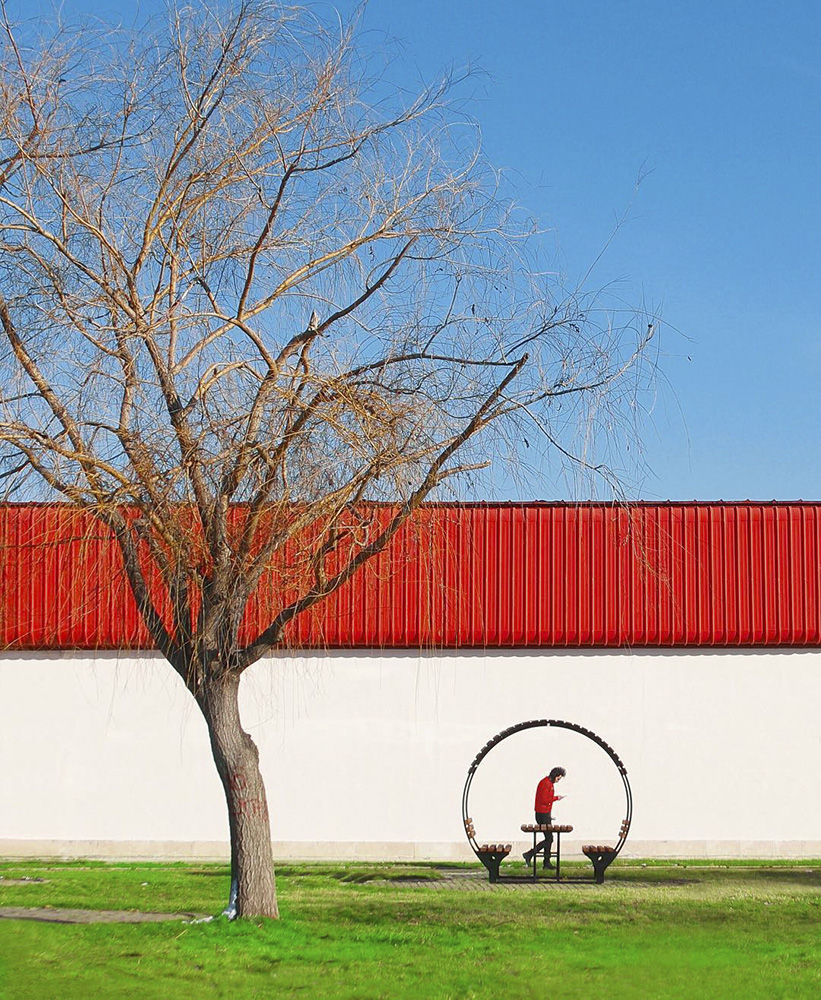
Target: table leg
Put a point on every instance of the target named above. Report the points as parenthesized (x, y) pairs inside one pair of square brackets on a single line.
[(535, 865), (558, 855)]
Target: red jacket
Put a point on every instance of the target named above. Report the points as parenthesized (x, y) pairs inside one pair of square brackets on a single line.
[(545, 796)]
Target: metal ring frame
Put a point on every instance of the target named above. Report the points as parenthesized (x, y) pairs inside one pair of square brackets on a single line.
[(557, 724)]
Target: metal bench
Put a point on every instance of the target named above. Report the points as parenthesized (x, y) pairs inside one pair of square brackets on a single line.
[(600, 856), (491, 855)]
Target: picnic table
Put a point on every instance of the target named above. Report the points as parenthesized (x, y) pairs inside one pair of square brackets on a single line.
[(556, 828)]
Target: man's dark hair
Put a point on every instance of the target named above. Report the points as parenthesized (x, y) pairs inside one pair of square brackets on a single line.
[(556, 772)]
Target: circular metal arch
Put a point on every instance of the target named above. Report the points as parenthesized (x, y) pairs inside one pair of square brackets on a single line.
[(520, 727)]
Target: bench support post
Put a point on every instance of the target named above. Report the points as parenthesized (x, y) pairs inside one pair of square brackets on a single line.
[(601, 861), (492, 861)]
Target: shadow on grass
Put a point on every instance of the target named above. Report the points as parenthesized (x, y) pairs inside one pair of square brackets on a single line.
[(784, 877)]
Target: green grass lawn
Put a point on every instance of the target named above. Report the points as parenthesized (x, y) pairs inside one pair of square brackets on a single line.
[(678, 931)]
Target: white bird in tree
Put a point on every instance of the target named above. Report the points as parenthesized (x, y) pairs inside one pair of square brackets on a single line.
[(313, 322)]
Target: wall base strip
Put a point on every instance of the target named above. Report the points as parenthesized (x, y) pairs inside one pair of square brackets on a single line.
[(186, 850)]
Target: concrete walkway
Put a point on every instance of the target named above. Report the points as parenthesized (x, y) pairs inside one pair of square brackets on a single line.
[(52, 915)]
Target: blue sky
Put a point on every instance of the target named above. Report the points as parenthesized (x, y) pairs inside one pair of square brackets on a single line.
[(719, 106)]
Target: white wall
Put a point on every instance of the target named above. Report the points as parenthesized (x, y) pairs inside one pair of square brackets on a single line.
[(366, 754)]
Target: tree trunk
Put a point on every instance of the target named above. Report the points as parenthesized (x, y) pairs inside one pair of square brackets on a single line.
[(253, 889)]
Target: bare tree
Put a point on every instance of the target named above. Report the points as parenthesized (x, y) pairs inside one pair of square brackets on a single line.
[(252, 319)]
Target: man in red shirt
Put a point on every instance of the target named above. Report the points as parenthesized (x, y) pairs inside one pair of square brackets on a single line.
[(545, 797)]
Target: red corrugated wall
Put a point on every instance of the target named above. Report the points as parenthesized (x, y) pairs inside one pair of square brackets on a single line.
[(498, 575)]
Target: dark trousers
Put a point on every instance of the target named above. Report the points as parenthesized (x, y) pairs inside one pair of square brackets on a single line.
[(547, 843)]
